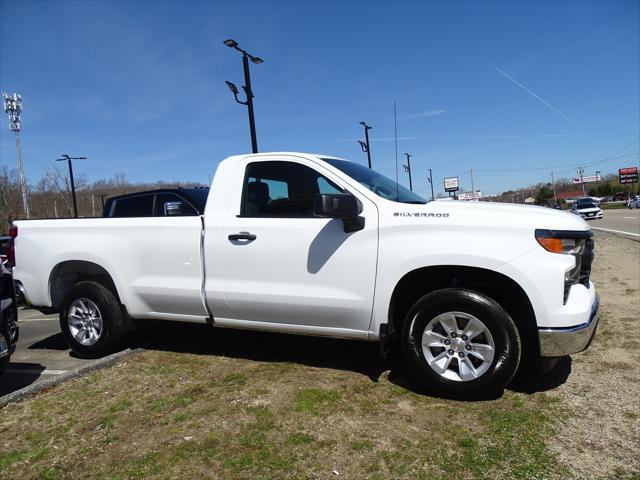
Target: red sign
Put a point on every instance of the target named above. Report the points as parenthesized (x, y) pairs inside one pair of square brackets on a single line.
[(628, 175)]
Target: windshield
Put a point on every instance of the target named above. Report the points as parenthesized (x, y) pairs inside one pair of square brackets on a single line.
[(377, 183), (586, 205)]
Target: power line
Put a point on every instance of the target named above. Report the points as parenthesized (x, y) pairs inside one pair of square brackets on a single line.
[(615, 156), (568, 165)]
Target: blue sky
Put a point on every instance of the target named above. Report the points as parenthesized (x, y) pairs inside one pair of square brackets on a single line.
[(138, 87)]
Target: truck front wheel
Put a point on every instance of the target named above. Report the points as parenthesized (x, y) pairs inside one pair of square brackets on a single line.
[(91, 320), (461, 344)]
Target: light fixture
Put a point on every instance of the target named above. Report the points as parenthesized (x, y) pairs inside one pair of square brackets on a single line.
[(232, 87)]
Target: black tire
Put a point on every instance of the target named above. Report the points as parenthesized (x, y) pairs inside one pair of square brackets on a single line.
[(497, 321), (113, 322)]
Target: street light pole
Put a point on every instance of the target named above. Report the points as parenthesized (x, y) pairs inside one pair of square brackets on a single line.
[(366, 147), (431, 183), (247, 89), (73, 187), (407, 168), (13, 108), (249, 92)]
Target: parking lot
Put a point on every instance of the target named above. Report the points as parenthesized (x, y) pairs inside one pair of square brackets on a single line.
[(41, 357)]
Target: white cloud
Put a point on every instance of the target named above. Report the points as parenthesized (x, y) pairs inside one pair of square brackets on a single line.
[(428, 113)]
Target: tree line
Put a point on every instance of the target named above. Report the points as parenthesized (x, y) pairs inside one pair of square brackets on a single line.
[(50, 197), (542, 193)]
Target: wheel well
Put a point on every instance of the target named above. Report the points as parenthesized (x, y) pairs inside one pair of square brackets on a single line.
[(499, 287), (66, 274)]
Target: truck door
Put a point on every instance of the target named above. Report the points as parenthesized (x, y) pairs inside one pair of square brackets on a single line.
[(283, 265)]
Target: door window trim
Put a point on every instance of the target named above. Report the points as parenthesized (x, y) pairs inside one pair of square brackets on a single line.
[(245, 183)]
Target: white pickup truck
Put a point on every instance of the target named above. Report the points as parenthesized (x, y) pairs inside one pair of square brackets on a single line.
[(309, 244)]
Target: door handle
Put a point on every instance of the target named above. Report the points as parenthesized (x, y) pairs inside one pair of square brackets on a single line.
[(242, 236)]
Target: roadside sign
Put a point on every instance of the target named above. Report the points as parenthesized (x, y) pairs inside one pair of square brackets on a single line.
[(628, 175), (587, 179), (477, 195), (451, 184)]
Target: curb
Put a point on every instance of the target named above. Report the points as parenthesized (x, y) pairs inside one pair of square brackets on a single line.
[(618, 233), (35, 388)]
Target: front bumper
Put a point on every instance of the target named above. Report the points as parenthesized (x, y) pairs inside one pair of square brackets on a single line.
[(558, 342), (595, 216)]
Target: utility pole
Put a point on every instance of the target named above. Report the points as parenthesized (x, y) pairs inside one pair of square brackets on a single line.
[(247, 89), (13, 108), (365, 145), (473, 189), (73, 187), (553, 184), (598, 183), (407, 168), (431, 183), (580, 171)]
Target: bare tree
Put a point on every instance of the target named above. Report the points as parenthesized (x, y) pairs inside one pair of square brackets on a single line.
[(10, 198)]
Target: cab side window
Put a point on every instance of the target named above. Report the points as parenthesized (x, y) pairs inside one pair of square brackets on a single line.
[(282, 189), (138, 206)]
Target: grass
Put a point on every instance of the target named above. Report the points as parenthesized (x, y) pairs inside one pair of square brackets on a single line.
[(612, 206), (316, 400), (169, 415)]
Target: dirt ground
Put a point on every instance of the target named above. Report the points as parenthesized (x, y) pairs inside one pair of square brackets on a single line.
[(601, 435), (228, 404)]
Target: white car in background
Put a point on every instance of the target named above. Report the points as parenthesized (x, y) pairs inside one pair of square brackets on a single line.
[(588, 211), (634, 202)]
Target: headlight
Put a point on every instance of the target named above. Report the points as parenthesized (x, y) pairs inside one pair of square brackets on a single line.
[(567, 242)]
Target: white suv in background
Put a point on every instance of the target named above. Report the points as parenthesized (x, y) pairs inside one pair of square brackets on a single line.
[(634, 202), (587, 210)]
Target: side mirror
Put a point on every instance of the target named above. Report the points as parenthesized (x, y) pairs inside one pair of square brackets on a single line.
[(175, 209), (343, 206)]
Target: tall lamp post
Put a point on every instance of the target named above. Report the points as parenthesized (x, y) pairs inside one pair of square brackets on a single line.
[(431, 183), (247, 89), (365, 146), (407, 168), (67, 158), (13, 108)]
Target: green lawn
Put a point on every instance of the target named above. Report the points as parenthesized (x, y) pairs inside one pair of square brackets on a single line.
[(174, 415)]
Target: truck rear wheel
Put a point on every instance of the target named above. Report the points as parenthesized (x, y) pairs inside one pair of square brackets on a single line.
[(461, 344), (91, 320)]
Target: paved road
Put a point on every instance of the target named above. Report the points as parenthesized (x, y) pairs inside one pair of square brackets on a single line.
[(41, 353), (624, 221)]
